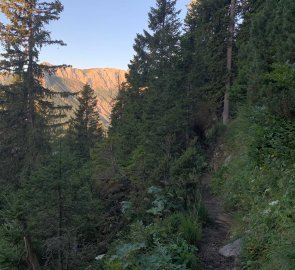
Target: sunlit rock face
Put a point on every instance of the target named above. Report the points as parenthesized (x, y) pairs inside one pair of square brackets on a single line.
[(105, 82)]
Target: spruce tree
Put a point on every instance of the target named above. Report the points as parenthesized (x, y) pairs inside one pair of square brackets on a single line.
[(266, 47), (204, 49), (146, 110), (229, 60), (155, 60), (64, 214), (139, 65), (12, 129), (86, 126), (26, 129), (164, 36), (22, 37)]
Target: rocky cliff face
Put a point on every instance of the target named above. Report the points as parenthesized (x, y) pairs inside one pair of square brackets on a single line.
[(105, 82)]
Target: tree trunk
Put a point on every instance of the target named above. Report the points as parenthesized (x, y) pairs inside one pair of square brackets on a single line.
[(31, 257), (60, 213), (229, 62)]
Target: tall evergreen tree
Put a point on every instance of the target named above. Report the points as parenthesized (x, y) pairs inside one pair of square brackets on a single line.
[(163, 40), (12, 129), (22, 38), (86, 126), (229, 59), (151, 85), (64, 215), (205, 49), (266, 24)]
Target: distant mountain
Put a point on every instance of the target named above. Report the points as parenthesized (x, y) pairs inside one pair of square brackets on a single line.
[(105, 82)]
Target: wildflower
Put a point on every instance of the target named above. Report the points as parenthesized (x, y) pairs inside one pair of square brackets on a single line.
[(266, 211), (273, 203), (99, 257)]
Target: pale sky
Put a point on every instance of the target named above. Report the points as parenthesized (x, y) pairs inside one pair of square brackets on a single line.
[(99, 33)]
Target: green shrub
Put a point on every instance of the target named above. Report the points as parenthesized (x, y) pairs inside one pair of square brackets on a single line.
[(152, 247), (191, 162), (187, 225), (183, 188)]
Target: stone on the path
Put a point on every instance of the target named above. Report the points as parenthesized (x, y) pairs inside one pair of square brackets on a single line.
[(231, 250)]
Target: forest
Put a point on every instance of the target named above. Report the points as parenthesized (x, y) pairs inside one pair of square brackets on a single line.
[(211, 95)]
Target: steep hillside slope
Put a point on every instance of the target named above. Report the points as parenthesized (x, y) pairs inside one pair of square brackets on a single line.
[(257, 184), (105, 82)]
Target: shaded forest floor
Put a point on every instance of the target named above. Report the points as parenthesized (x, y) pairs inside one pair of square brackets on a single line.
[(216, 230)]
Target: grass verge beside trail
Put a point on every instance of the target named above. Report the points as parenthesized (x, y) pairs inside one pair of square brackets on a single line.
[(258, 184)]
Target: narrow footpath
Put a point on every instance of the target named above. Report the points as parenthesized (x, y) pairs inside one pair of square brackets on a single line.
[(215, 231)]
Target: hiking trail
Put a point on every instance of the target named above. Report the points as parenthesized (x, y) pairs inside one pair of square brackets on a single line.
[(216, 230)]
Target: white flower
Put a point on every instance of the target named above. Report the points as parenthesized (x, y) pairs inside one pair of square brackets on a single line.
[(266, 211), (273, 203), (99, 257)]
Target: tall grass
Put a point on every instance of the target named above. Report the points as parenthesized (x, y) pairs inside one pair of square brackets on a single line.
[(259, 185)]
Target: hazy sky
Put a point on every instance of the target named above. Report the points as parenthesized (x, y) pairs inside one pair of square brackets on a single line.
[(99, 33)]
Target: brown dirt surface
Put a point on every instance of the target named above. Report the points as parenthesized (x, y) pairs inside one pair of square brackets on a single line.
[(216, 230)]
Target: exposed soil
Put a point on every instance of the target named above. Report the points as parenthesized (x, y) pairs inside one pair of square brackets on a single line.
[(215, 231)]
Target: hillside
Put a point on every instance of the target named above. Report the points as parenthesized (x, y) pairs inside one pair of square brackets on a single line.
[(197, 168), (105, 82)]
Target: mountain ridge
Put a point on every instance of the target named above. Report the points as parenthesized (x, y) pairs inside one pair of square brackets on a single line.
[(105, 82)]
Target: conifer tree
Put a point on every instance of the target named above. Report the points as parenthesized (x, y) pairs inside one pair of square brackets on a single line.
[(12, 128), (205, 50), (139, 65), (65, 213), (86, 125), (266, 44), (229, 56), (22, 38), (145, 109), (163, 41)]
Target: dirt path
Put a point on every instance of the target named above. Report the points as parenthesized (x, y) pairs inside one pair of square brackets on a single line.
[(215, 232)]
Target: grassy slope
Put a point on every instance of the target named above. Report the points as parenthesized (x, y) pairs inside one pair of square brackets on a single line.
[(258, 184)]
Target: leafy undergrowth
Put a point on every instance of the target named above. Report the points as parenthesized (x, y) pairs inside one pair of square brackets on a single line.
[(164, 222), (258, 184), (157, 246)]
